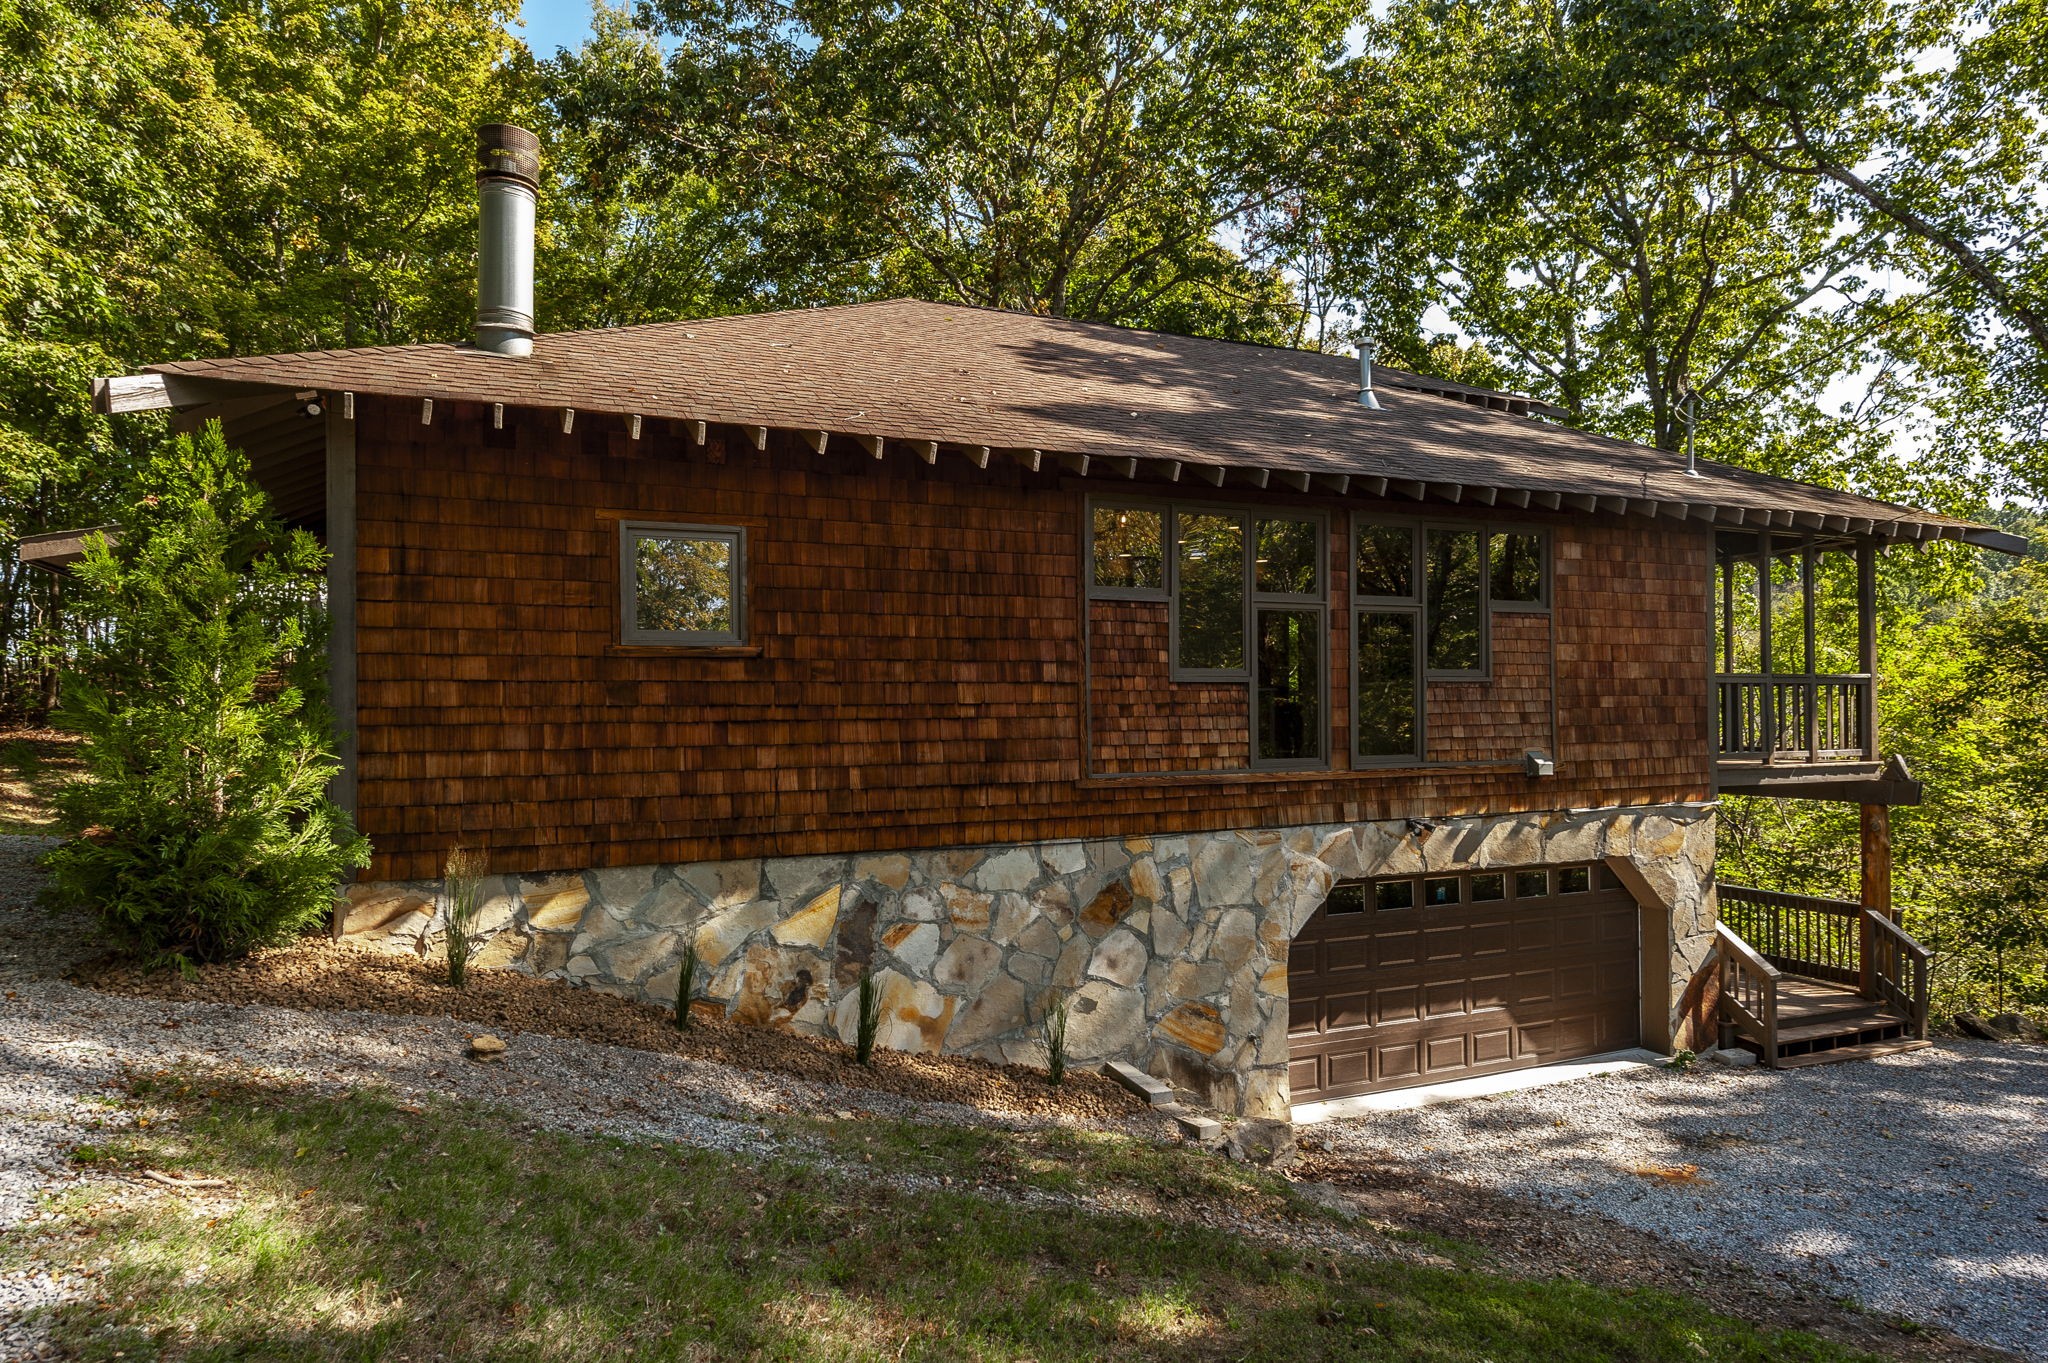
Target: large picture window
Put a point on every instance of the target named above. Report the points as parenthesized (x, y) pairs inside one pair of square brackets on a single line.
[(682, 584), (1247, 602), (1422, 599)]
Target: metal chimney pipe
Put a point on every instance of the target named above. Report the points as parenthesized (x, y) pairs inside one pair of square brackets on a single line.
[(507, 189), (1366, 397)]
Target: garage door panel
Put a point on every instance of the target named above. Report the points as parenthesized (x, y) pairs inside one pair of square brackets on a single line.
[(1425, 991)]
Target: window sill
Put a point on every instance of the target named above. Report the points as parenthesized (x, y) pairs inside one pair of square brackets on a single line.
[(682, 650)]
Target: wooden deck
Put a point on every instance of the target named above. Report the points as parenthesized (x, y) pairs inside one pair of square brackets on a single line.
[(1775, 1001)]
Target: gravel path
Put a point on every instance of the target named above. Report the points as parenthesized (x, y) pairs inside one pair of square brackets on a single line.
[(1916, 1184)]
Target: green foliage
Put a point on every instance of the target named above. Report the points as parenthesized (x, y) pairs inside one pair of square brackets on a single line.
[(462, 886), (686, 987), (867, 1018), (1964, 699), (1056, 1039), (201, 827)]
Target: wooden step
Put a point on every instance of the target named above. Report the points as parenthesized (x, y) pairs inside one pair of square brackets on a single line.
[(1821, 1031), (1869, 1050)]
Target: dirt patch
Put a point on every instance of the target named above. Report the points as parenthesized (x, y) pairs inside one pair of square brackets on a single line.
[(1529, 1240), (327, 975), (34, 763)]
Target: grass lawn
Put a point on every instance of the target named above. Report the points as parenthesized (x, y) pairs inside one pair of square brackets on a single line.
[(359, 1228)]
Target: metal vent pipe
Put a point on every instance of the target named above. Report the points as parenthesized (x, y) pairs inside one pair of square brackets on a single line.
[(507, 189), (1366, 397)]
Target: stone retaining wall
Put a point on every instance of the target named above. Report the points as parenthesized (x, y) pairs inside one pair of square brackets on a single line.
[(1171, 951)]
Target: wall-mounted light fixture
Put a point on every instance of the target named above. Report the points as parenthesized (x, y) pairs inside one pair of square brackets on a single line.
[(1538, 764)]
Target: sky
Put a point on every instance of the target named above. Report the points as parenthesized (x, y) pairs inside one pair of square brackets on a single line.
[(552, 24)]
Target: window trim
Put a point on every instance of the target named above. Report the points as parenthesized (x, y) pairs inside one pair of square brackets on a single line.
[(1541, 604), (1484, 672), (630, 635), (1419, 688), (1176, 672), (1320, 758), (1097, 592)]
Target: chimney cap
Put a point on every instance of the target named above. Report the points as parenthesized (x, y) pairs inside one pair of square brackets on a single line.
[(505, 151)]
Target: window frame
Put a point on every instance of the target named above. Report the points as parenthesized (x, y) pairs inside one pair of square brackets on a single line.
[(630, 634), (1164, 510), (1417, 605), (1174, 670), (1541, 604)]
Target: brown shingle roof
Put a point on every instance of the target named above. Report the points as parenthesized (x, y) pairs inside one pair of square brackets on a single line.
[(908, 370)]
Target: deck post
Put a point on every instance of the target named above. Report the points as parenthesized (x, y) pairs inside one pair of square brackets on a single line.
[(1877, 891), (1763, 634), (1866, 645)]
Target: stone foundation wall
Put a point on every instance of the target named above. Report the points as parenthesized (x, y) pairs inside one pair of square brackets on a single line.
[(1171, 951)]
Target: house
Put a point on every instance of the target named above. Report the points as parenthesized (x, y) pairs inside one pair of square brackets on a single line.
[(1310, 729)]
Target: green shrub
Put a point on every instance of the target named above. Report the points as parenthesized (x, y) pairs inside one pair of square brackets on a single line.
[(868, 1025), (686, 987), (1056, 1039), (462, 883), (201, 827)]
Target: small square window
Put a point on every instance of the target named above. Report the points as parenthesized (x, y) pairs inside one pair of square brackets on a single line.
[(1575, 880), (1345, 899), (1437, 892), (1489, 887), (682, 584), (1129, 548), (1394, 894), (1532, 884)]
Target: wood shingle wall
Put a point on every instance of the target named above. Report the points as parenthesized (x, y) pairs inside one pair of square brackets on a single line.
[(913, 676)]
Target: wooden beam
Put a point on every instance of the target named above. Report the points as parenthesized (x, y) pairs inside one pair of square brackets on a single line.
[(1126, 467), (1617, 505), (497, 416), (816, 439), (977, 455), (927, 450), (1578, 501), (1290, 477), (633, 427), (699, 432), (1450, 492), (1339, 483), (1408, 488), (426, 411), (1373, 487), (1482, 495), (568, 420), (1549, 501), (759, 435), (871, 443), (1076, 464), (1809, 520), (1029, 459), (1513, 496), (1169, 469), (1212, 474), (348, 406), (1256, 477)]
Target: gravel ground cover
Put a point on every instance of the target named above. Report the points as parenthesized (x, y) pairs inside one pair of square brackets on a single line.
[(1915, 1184)]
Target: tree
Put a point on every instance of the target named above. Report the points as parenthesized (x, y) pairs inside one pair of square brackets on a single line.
[(1088, 158), (201, 827)]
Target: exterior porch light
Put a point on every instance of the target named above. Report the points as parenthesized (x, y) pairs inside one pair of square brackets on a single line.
[(1538, 764)]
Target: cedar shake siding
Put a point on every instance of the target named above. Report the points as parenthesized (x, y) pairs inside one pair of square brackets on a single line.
[(915, 671)]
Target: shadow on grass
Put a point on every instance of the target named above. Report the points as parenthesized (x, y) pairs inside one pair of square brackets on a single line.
[(356, 1227)]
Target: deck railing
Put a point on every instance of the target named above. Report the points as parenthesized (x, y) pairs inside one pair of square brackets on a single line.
[(1822, 939), (1772, 717)]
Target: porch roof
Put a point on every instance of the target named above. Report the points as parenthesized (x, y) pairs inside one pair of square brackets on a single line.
[(1133, 403)]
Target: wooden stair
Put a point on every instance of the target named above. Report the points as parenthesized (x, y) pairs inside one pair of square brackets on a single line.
[(1832, 982)]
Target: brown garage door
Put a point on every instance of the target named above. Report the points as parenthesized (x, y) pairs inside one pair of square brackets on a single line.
[(1422, 979)]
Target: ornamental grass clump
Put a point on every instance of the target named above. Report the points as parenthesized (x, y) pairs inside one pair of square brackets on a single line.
[(686, 987), (462, 885), (1056, 1040), (868, 1024), (201, 827)]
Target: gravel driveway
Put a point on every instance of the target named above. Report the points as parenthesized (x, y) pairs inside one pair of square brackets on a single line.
[(1916, 1184)]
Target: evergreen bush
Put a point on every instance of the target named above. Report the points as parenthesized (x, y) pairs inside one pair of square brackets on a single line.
[(202, 827)]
